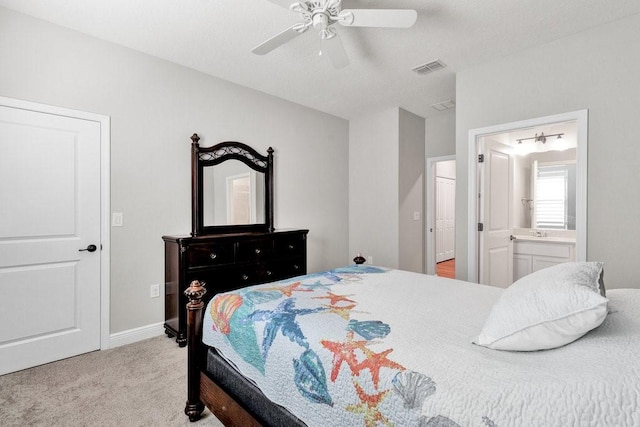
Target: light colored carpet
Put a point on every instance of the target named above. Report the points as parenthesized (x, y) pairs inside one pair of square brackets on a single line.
[(141, 384)]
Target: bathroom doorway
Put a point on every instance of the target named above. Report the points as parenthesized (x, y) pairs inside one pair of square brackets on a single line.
[(533, 200)]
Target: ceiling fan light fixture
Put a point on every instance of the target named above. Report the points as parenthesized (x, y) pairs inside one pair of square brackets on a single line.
[(327, 33), (323, 14), (299, 7)]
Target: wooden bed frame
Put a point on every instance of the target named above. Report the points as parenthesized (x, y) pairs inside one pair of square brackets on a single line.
[(201, 390)]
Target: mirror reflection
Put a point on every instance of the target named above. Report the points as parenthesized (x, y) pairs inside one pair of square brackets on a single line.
[(233, 194), (548, 188)]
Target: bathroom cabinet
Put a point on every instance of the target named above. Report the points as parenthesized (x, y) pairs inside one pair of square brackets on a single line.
[(534, 255)]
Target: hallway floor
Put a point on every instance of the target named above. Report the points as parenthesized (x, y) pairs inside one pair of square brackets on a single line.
[(446, 269)]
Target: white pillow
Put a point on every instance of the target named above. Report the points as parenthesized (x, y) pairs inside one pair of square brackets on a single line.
[(546, 309)]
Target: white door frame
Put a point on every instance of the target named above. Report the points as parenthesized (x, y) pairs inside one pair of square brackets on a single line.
[(430, 197), (105, 208), (581, 117)]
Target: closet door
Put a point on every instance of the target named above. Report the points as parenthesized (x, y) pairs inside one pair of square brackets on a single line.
[(445, 218), (49, 237)]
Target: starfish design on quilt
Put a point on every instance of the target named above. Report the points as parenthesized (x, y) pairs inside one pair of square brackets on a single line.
[(286, 290), (282, 318), (344, 352), (368, 406), (376, 361), (335, 299), (317, 285), (342, 311)]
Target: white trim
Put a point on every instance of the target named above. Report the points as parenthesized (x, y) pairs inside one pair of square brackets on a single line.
[(429, 248), (136, 334), (582, 122), (105, 179), (105, 231)]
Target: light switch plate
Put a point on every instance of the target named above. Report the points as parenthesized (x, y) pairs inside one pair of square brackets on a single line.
[(117, 219)]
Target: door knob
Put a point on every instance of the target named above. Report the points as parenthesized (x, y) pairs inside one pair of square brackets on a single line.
[(90, 248)]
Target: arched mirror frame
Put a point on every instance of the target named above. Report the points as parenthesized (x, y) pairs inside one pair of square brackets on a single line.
[(203, 157)]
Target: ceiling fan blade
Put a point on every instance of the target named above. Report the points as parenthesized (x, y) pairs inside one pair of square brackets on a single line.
[(334, 49), (279, 39), (389, 18)]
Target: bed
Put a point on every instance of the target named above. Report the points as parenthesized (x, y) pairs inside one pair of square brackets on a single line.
[(365, 345)]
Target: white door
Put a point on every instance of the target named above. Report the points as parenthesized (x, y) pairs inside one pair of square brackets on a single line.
[(445, 218), (49, 211), (496, 216)]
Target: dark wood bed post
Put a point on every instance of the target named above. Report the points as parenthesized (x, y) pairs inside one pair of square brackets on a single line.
[(194, 293), (269, 198), (195, 185)]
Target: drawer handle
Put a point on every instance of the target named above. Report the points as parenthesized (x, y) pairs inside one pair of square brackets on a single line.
[(213, 255), (257, 251), (245, 277)]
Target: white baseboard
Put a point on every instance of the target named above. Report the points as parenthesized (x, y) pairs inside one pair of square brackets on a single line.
[(136, 334)]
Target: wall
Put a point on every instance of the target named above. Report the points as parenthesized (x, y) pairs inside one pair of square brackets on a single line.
[(386, 187), (446, 169), (440, 134), (596, 70), (373, 187), (411, 191), (155, 106)]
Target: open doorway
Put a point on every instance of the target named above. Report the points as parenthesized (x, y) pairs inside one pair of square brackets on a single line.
[(441, 191), (527, 197)]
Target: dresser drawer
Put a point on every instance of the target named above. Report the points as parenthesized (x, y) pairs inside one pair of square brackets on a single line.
[(290, 245), (254, 250), (254, 274), (219, 279), (210, 254)]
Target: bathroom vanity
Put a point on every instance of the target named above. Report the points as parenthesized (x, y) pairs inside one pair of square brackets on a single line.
[(533, 251)]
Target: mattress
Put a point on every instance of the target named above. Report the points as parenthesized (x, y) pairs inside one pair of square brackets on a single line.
[(371, 346)]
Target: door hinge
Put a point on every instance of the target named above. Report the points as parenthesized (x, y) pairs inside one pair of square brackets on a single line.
[(480, 226), (480, 158)]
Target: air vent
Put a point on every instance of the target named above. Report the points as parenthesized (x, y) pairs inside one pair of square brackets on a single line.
[(429, 67), (444, 105)]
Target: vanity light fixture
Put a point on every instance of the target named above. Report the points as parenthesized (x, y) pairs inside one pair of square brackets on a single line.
[(541, 138)]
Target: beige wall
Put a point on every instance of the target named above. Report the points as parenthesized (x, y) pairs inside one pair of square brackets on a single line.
[(373, 187), (411, 191), (440, 134), (154, 107), (596, 70), (386, 174)]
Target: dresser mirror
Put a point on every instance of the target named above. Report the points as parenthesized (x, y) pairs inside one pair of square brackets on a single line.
[(232, 188)]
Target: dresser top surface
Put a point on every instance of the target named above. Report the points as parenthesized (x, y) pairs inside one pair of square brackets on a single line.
[(244, 235)]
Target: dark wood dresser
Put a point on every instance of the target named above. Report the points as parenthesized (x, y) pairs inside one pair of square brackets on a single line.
[(225, 262)]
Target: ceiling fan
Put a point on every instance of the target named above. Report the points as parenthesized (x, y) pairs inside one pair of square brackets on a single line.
[(322, 14)]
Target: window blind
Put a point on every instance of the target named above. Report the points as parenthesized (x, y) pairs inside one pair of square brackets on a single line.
[(551, 197)]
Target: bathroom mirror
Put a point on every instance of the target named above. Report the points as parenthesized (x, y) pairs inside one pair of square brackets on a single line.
[(545, 190), (553, 205), (232, 188)]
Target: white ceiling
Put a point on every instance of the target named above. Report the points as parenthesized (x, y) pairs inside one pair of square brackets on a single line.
[(216, 37)]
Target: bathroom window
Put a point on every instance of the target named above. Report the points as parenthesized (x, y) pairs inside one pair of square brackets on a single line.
[(552, 196)]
